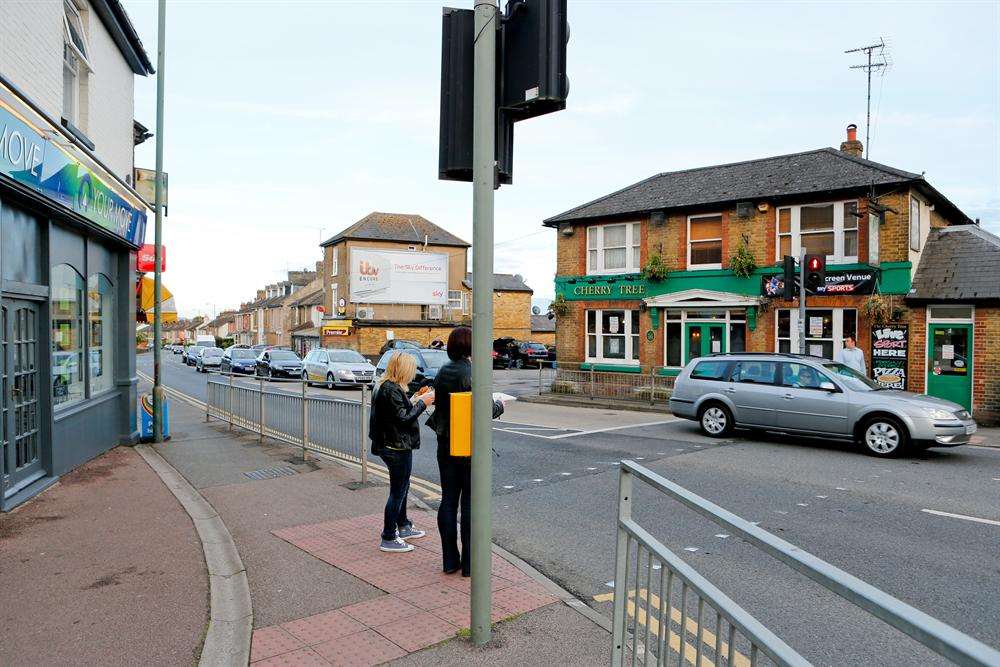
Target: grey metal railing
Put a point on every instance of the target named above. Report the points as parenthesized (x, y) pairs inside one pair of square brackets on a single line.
[(650, 387), (728, 634), (284, 411)]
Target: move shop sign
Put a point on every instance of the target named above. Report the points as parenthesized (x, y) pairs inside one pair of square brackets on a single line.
[(59, 173), (854, 281)]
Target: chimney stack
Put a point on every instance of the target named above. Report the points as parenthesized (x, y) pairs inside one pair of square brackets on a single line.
[(852, 146)]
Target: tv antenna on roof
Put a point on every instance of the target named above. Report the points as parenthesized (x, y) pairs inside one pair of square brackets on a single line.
[(880, 63)]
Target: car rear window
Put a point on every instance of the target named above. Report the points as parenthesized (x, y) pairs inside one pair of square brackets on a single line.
[(244, 353), (710, 370)]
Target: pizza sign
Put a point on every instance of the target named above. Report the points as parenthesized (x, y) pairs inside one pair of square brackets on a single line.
[(890, 354)]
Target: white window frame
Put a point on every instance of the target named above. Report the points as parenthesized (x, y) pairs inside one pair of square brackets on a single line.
[(668, 318), (915, 227), (633, 251), (626, 332), (701, 267), (838, 328), (874, 228), (838, 230), (460, 299), (334, 263)]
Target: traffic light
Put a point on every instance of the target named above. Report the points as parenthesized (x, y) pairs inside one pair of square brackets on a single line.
[(815, 269), (789, 277), (534, 37)]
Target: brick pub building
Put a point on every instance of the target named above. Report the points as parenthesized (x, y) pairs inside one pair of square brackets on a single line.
[(718, 235)]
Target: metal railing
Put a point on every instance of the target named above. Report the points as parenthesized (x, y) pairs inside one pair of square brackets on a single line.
[(330, 426), (650, 387), (729, 635)]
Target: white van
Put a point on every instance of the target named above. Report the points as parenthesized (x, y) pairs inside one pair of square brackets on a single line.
[(205, 340)]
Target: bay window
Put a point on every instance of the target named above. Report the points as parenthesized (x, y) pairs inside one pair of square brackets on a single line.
[(829, 229), (614, 248), (613, 336), (704, 242)]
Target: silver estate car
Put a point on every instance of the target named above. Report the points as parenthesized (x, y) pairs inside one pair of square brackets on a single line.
[(337, 368), (815, 397)]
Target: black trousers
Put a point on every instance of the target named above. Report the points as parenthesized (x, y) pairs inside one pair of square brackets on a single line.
[(400, 464), (456, 489)]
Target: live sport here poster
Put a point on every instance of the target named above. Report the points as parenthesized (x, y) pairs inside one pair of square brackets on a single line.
[(386, 276), (890, 348)]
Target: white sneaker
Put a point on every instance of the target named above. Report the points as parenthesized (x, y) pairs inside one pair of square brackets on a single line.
[(395, 545)]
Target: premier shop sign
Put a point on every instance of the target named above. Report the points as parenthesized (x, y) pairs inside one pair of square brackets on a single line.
[(387, 276), (42, 160)]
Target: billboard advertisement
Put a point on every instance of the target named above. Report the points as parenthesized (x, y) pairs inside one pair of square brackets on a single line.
[(388, 276)]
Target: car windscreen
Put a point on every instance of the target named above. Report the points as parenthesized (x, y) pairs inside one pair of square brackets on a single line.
[(244, 353), (346, 357), (283, 355), (435, 358), (212, 352), (195, 349), (536, 346), (852, 378)]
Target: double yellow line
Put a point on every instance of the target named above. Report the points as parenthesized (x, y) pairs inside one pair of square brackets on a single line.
[(428, 489), (652, 625)]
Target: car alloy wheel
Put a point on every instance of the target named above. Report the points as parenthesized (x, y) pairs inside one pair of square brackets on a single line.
[(716, 421), (882, 437), (330, 384)]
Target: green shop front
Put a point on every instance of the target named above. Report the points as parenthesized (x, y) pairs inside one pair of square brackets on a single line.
[(70, 229), (630, 324)]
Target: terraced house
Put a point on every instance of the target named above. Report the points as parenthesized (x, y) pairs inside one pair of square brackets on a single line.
[(688, 263)]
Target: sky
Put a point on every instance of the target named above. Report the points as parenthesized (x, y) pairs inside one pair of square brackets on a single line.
[(288, 121)]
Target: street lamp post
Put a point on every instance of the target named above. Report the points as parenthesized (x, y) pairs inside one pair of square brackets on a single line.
[(158, 229)]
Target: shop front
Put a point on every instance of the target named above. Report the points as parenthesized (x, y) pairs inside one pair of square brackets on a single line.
[(70, 229)]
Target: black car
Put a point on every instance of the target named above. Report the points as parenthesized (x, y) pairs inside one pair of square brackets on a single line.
[(276, 363), (502, 352), (528, 354), (428, 363), (399, 344), (239, 360)]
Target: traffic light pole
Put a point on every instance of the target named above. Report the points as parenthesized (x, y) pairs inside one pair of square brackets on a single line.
[(802, 301), (483, 183), (158, 230)]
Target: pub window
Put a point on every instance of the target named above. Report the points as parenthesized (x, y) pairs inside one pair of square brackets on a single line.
[(67, 335), (705, 242), (613, 336), (829, 229), (100, 350), (825, 330), (614, 248)]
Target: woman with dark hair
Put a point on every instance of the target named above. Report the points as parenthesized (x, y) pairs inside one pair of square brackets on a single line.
[(456, 471)]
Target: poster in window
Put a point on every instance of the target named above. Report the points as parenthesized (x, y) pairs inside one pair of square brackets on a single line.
[(890, 354), (816, 327), (613, 325)]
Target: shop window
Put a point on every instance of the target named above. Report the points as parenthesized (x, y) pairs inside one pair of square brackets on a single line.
[(830, 229), (100, 350), (951, 313), (677, 346), (705, 242), (673, 349), (613, 336), (825, 330), (738, 337), (66, 290), (614, 248)]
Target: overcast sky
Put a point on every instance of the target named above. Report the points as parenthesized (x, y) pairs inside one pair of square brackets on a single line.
[(288, 121)]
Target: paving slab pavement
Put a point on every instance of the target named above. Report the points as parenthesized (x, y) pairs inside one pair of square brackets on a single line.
[(104, 567)]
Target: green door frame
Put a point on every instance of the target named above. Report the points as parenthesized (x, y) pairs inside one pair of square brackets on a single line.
[(948, 385), (705, 334)]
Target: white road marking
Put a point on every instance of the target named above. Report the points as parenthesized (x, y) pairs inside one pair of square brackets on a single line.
[(640, 458), (802, 504), (780, 512), (823, 497), (612, 428), (657, 566), (591, 468), (840, 488), (565, 474), (964, 517), (610, 584), (691, 549), (996, 479), (756, 523), (538, 480), (508, 486), (721, 536)]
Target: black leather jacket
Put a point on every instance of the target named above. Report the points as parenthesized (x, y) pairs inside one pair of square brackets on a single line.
[(454, 376), (393, 420)]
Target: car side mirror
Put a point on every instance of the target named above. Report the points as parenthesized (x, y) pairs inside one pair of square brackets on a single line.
[(828, 386)]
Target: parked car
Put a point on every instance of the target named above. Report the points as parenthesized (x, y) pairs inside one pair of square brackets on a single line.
[(814, 397), (191, 354), (238, 359), (209, 357), (279, 364), (428, 363), (502, 352), (399, 344), (528, 354), (177, 349), (552, 354), (337, 368)]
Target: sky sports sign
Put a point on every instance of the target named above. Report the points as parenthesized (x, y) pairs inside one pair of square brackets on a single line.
[(855, 281), (387, 276), (33, 160)]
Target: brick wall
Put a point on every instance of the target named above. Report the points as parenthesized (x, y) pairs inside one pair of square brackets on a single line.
[(571, 256), (917, 364), (986, 365), (512, 314)]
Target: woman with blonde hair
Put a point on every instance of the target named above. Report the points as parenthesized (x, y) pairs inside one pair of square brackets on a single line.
[(395, 433)]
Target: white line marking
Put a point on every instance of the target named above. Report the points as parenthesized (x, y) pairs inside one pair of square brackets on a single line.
[(538, 480), (610, 584), (840, 488), (996, 479), (657, 566), (508, 486), (990, 522), (802, 504), (591, 468), (565, 474), (823, 497), (691, 549), (721, 536), (530, 435), (612, 428), (640, 458), (780, 512)]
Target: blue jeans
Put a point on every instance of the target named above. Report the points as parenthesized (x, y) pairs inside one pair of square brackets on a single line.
[(400, 464)]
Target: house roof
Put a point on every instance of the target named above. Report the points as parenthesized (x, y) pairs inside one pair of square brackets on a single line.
[(311, 299), (303, 329), (504, 282), (119, 26), (812, 172), (225, 318), (958, 263), (400, 227), (542, 324)]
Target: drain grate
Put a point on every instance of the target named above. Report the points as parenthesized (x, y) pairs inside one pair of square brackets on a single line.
[(271, 473)]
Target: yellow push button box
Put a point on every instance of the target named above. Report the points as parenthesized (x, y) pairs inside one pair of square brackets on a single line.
[(461, 423)]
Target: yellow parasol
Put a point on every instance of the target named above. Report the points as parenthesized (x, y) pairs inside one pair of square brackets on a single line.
[(168, 310)]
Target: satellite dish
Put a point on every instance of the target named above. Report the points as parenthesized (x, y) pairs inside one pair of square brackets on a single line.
[(535, 310)]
